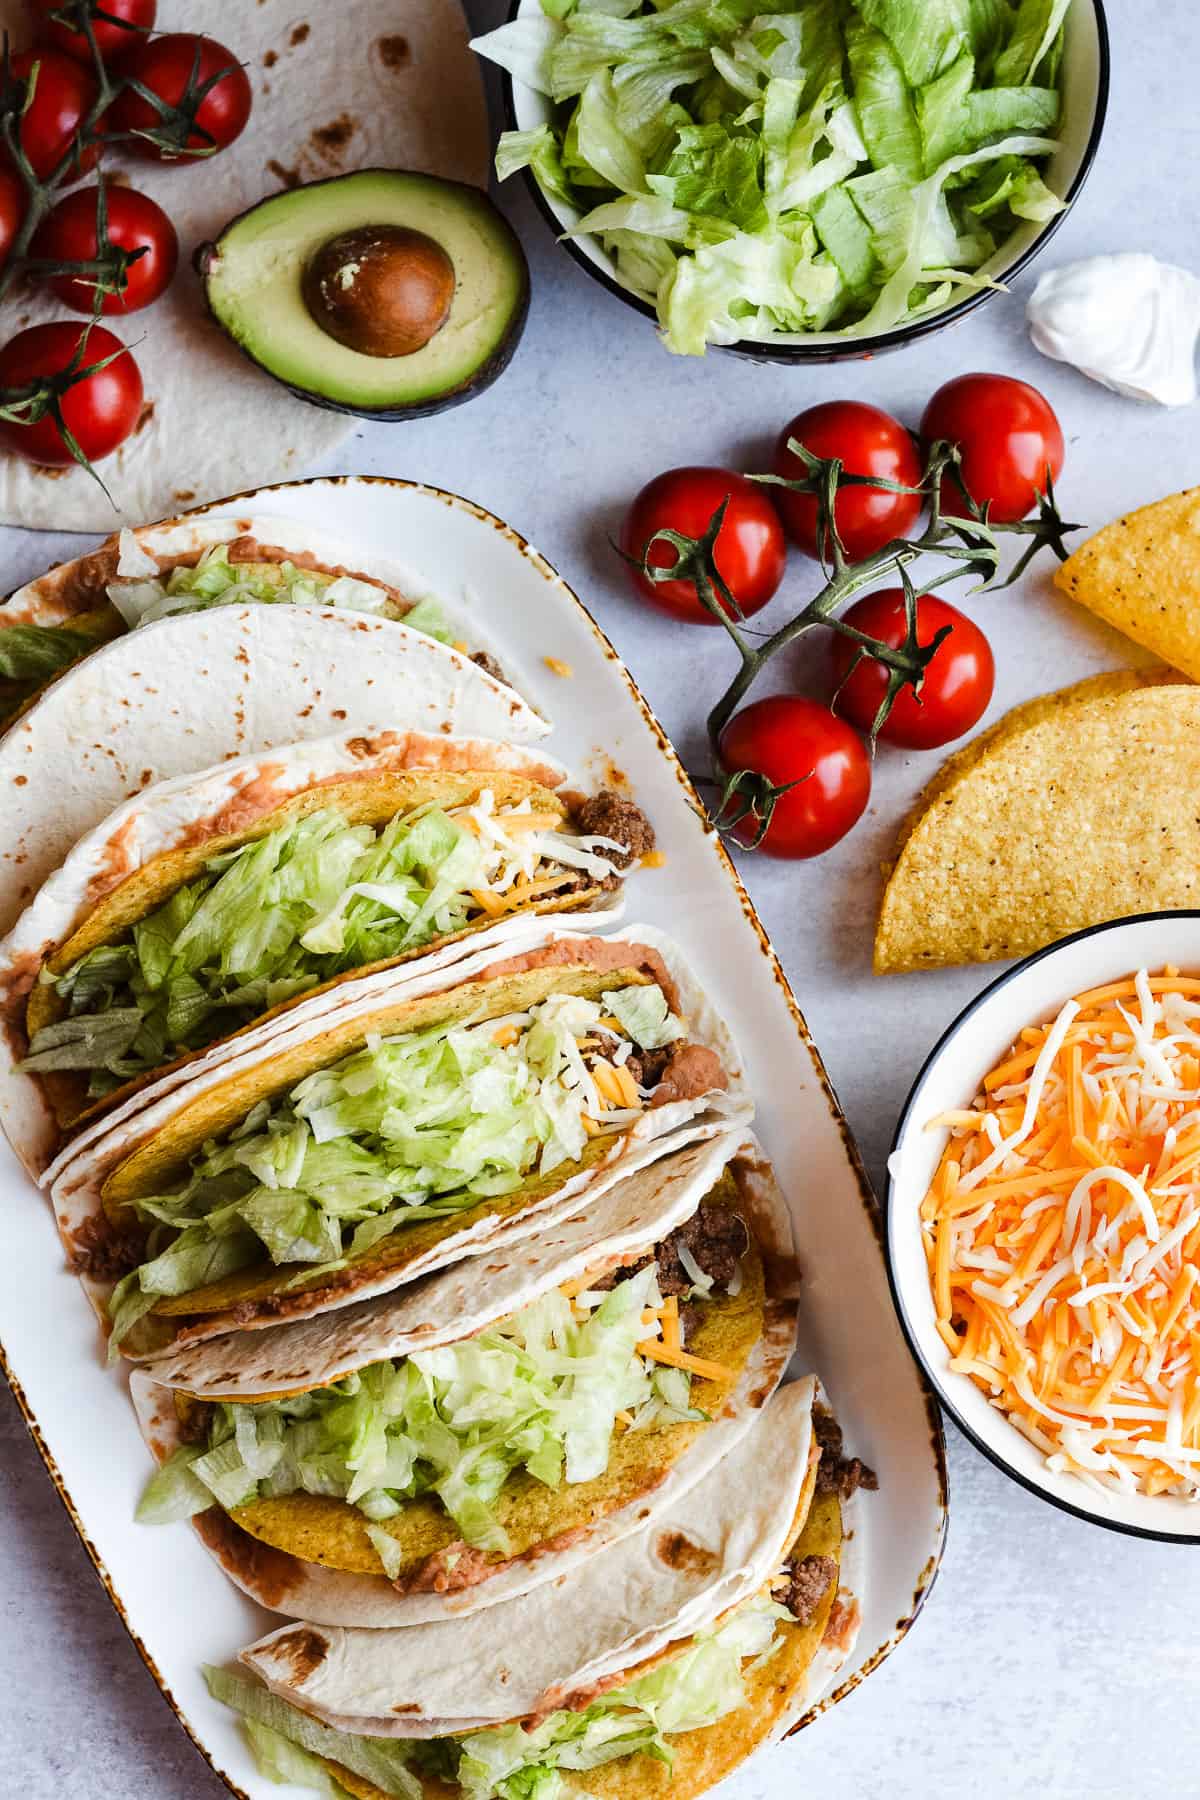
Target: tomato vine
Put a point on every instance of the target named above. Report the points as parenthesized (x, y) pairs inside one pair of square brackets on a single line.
[(966, 539)]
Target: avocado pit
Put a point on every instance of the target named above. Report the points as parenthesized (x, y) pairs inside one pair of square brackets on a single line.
[(381, 290)]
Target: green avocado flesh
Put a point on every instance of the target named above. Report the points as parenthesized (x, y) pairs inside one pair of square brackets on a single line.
[(253, 274)]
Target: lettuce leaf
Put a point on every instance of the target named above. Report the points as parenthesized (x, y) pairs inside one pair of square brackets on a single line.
[(34, 653)]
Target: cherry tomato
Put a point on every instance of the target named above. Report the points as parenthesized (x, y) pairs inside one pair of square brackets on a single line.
[(68, 234), (168, 66), (12, 209), (63, 96), (789, 739), (869, 442), (958, 680), (750, 550), (113, 40), (1009, 437), (100, 410)]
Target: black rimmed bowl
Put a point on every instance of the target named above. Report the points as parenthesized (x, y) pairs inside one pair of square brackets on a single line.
[(1085, 78), (1029, 994)]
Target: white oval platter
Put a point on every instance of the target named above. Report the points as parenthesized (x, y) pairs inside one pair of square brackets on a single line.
[(179, 1610)]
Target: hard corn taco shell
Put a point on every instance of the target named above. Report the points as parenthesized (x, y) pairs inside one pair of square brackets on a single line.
[(563, 1643), (1141, 574), (145, 1152), (187, 693), (1072, 810), (311, 1557), (132, 863)]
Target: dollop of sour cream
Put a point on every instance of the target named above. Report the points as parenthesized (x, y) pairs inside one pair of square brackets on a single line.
[(1126, 320)]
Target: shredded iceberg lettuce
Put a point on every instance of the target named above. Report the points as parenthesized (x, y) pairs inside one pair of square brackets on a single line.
[(311, 900), (705, 1683), (413, 1127), (33, 653), (727, 155), (541, 1392), (215, 581)]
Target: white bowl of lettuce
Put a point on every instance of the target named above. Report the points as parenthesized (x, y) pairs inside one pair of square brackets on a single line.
[(805, 182)]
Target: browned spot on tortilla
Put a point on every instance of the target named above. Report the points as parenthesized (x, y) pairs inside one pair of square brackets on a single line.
[(299, 33), (145, 416), (339, 712), (395, 51), (116, 177), (270, 1574), (677, 1551), (304, 1648), (270, 59), (185, 493), (288, 178), (330, 140), (48, 473), (20, 780)]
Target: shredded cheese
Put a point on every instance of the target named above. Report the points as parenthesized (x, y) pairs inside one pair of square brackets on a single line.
[(557, 666), (1062, 1229), (656, 1351)]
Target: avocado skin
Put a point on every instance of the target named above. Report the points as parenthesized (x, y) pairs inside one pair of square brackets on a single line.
[(481, 377)]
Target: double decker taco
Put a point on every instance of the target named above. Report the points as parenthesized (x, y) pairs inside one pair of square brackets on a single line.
[(435, 1451), (209, 905), (656, 1668), (389, 1128), (193, 564)]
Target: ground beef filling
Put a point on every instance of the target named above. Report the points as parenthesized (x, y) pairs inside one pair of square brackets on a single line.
[(715, 1236), (606, 815), (805, 1584), (103, 1252), (836, 1473), (196, 1421), (485, 661)]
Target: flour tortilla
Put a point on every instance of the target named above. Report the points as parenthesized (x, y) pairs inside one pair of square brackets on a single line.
[(75, 595), (186, 693), (381, 83), (129, 864), (143, 1149), (1076, 809), (715, 1547), (625, 1222), (473, 1295)]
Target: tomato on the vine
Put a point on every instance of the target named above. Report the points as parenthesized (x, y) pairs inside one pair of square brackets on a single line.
[(63, 96), (789, 739), (1010, 440), (958, 681), (868, 442), (68, 234), (750, 550), (169, 66), (12, 209), (117, 26), (100, 409)]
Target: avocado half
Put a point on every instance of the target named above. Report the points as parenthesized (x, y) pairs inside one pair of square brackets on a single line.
[(254, 281)]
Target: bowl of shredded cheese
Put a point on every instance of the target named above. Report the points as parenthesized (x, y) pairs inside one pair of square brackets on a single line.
[(1044, 1223)]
